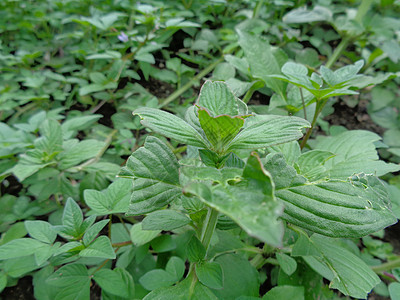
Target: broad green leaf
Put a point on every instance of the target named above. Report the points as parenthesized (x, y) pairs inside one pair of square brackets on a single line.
[(354, 153), (336, 208), (114, 199), (346, 271), (79, 152), (3, 280), (240, 277), (117, 282), (140, 237), (218, 99), (184, 290), (195, 250), (303, 15), (267, 130), (210, 274), (175, 267), (15, 231), (394, 290), (51, 137), (20, 247), (220, 130), (250, 203), (156, 279), (285, 292), (342, 75), (72, 125), (165, 220), (20, 266), (262, 61), (93, 231), (29, 163), (156, 173), (41, 231), (287, 263), (170, 126), (72, 217), (69, 275), (163, 243), (101, 248)]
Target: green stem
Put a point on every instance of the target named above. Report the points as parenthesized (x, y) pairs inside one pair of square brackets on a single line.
[(387, 266), (363, 9), (338, 51), (256, 10), (318, 109), (208, 227), (189, 84)]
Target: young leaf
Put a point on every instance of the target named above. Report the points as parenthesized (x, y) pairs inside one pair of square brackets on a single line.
[(41, 231), (218, 99), (77, 152), (287, 263), (210, 274), (195, 250), (93, 231), (72, 218), (164, 220), (170, 126), (140, 237), (335, 208), (156, 182), (267, 130), (175, 267), (251, 203), (219, 130), (114, 199), (101, 247)]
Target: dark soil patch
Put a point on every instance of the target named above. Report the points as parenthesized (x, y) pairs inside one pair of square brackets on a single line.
[(22, 291)]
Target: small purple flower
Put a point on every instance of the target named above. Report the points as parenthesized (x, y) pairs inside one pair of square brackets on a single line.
[(123, 37)]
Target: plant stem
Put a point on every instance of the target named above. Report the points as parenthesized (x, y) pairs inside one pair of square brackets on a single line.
[(387, 266), (208, 227), (256, 10), (189, 84), (338, 51), (320, 105)]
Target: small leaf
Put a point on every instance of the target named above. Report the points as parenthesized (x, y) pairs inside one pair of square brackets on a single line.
[(114, 199), (176, 267), (287, 263), (69, 275), (210, 274), (170, 126), (140, 237), (267, 130), (20, 247), (164, 220), (101, 248), (195, 250), (72, 217), (220, 130), (218, 99), (41, 231), (93, 231), (155, 279)]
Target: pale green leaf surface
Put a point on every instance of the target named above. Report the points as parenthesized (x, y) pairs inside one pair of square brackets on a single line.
[(117, 282), (262, 61), (285, 292), (354, 153), (218, 99), (69, 275), (267, 130), (210, 274), (114, 199), (93, 231), (156, 279), (176, 267), (79, 152), (210, 173), (41, 231), (140, 237), (101, 248), (165, 220), (72, 217), (156, 182), (287, 263), (20, 247), (170, 126)]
